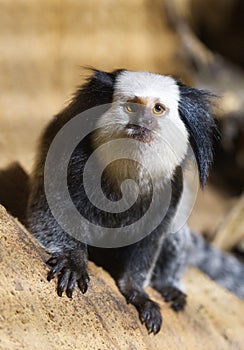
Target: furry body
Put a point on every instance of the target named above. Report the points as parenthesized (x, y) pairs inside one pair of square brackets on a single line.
[(153, 110)]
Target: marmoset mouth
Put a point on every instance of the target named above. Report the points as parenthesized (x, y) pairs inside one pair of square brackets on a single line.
[(139, 133)]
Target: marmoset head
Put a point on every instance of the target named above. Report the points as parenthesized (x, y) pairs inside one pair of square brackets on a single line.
[(159, 113)]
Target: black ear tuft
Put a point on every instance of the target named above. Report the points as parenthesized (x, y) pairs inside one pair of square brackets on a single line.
[(195, 109), (97, 90)]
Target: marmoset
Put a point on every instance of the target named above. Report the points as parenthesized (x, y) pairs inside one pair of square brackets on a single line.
[(153, 120)]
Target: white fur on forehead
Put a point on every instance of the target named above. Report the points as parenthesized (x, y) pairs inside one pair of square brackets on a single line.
[(144, 84)]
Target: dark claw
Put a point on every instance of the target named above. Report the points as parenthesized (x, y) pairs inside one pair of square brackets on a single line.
[(52, 261), (146, 315), (156, 329), (131, 298), (83, 283), (150, 326), (63, 281), (150, 316), (56, 269), (70, 269), (71, 285), (154, 326), (177, 297)]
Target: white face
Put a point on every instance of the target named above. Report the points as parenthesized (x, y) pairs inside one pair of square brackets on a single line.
[(145, 108)]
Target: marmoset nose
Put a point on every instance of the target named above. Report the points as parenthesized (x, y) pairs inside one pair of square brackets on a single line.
[(146, 120)]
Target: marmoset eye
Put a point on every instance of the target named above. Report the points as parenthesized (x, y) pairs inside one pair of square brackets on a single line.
[(159, 108), (131, 107)]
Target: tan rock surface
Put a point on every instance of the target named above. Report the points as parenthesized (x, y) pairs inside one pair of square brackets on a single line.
[(32, 316)]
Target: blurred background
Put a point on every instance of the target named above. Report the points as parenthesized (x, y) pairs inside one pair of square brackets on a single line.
[(44, 44)]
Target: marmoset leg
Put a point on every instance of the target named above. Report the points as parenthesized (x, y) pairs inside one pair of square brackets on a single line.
[(171, 264)]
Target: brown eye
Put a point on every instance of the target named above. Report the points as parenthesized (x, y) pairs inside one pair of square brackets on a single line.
[(159, 108), (131, 107)]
